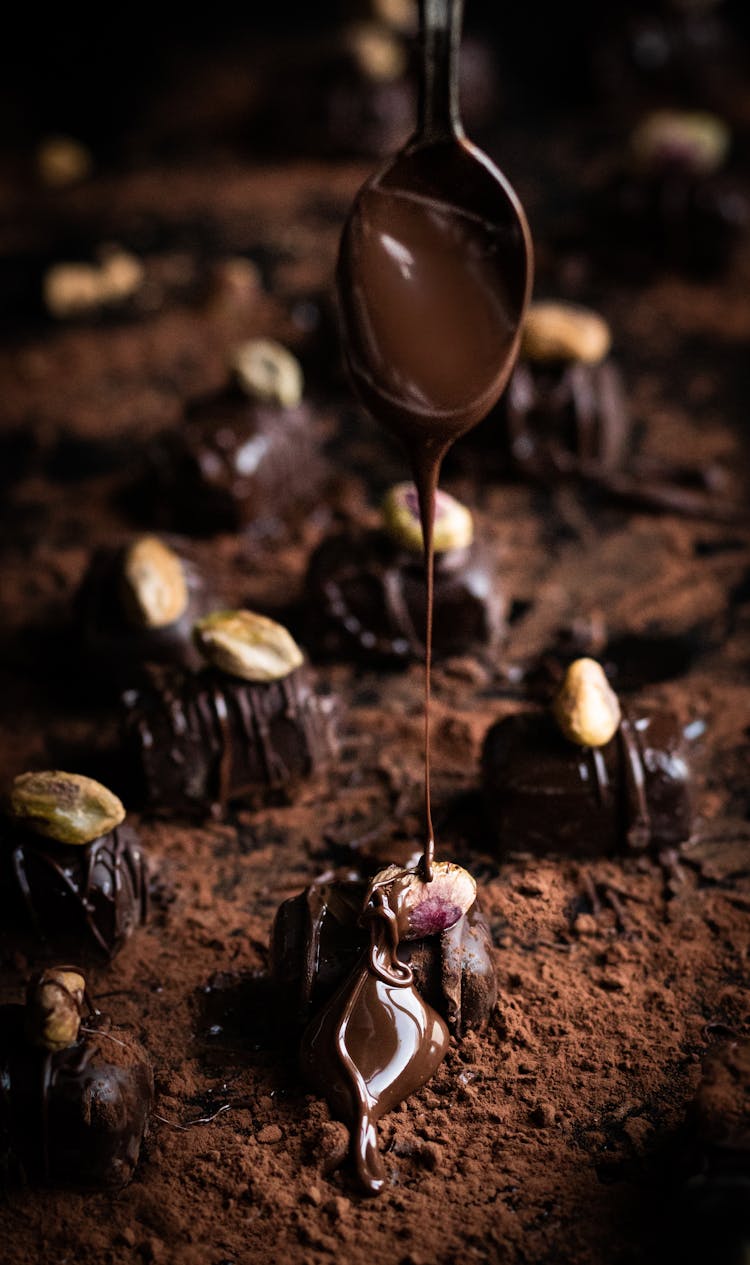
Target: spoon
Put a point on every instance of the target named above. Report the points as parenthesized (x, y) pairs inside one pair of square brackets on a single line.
[(433, 277)]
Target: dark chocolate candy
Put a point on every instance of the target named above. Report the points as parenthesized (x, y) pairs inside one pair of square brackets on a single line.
[(318, 938), (366, 597), (234, 462), (560, 419), (674, 216), (112, 639), (545, 793), (72, 1117), (202, 740), (81, 899)]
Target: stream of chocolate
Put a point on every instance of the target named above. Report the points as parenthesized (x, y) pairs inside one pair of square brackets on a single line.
[(433, 277), (431, 293)]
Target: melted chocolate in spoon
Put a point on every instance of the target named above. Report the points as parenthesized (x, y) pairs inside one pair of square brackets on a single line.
[(433, 277)]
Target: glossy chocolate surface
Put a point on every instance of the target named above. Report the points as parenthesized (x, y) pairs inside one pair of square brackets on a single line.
[(110, 637), (546, 794), (75, 1117), (318, 939), (366, 597), (431, 283), (84, 900), (202, 740), (234, 462), (374, 1043)]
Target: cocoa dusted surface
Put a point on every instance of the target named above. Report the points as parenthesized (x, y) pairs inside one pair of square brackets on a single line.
[(550, 1136)]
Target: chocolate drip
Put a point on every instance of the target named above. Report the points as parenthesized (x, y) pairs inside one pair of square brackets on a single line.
[(204, 740), (375, 1042), (87, 897), (318, 939)]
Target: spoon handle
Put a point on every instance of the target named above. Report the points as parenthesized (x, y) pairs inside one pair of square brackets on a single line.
[(439, 115)]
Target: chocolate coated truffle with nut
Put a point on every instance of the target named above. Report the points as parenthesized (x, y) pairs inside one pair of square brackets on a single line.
[(366, 594), (250, 721), (76, 1092), (247, 456), (138, 603), (564, 413), (591, 779), (317, 939), (673, 201), (73, 875)]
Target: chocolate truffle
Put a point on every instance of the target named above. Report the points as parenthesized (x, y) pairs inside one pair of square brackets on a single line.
[(75, 1093), (672, 201), (74, 876), (349, 94), (318, 937), (366, 590), (138, 604), (547, 792), (249, 722), (245, 456), (564, 412)]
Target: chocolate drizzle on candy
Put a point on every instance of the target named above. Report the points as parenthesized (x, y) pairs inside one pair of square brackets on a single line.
[(546, 791), (74, 876), (366, 593), (75, 1095), (376, 1040), (249, 721)]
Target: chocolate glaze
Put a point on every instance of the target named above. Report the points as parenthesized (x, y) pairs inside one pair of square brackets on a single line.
[(232, 463), (318, 939), (366, 597), (75, 1117), (201, 740), (86, 900), (375, 1042), (547, 794), (111, 639)]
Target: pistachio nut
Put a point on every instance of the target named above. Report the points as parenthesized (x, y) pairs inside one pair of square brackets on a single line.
[(75, 289), (427, 909), (562, 331), (453, 528), (696, 140), (378, 52), (63, 161), (154, 588), (268, 373), (586, 707), (54, 1002), (247, 645), (66, 807)]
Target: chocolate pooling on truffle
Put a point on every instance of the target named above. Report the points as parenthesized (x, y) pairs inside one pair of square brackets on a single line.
[(377, 1041)]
